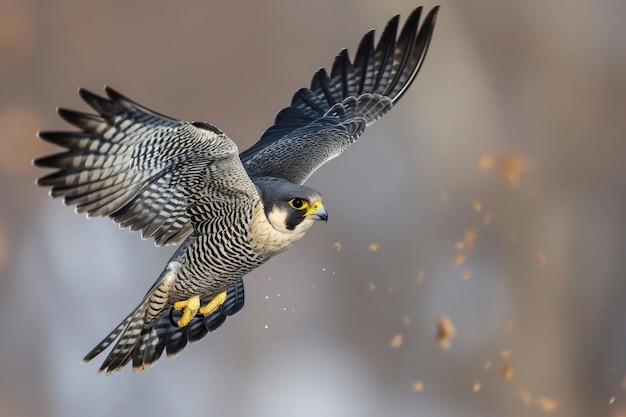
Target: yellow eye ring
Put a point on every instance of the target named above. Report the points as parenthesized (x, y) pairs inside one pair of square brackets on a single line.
[(298, 204)]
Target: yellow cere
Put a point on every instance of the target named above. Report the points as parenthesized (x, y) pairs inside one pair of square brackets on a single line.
[(314, 207)]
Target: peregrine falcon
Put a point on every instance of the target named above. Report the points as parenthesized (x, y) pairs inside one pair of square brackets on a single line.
[(178, 181)]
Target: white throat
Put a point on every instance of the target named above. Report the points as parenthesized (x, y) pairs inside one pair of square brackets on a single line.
[(269, 236)]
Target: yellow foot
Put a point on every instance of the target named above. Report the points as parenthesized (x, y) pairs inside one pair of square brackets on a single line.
[(190, 307), (214, 304)]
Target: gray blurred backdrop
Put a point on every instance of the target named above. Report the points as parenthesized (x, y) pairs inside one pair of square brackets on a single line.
[(494, 194)]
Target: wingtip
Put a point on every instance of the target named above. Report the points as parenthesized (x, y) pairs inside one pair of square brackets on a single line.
[(111, 92), (35, 163), (86, 95), (82, 91), (432, 15), (66, 114), (395, 20)]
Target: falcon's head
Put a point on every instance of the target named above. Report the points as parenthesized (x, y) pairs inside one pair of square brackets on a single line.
[(291, 208)]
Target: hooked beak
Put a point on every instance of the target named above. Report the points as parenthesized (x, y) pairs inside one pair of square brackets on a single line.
[(317, 211)]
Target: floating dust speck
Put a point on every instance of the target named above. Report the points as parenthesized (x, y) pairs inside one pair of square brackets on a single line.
[(540, 259), (547, 404), (487, 219), (612, 400), (459, 258), (371, 286), (467, 274), (337, 246), (476, 386), (445, 332), (488, 364), (508, 327), (469, 237), (418, 386), (460, 245), (373, 247), (396, 341), (506, 371), (525, 397), (512, 166), (484, 162), (406, 320), (506, 353), (477, 206)]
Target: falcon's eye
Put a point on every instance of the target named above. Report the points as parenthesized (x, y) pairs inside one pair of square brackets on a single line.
[(297, 203)]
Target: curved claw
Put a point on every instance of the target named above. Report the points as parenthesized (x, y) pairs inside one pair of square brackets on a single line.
[(191, 308)]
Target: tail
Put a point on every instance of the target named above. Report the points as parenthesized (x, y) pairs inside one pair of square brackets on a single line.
[(143, 343)]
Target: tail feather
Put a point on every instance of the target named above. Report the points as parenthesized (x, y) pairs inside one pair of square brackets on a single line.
[(127, 332), (101, 347), (127, 344), (143, 343)]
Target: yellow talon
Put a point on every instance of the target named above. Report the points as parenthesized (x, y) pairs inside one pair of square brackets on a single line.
[(190, 307), (214, 304)]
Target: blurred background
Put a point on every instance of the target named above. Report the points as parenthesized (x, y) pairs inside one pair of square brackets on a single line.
[(473, 261)]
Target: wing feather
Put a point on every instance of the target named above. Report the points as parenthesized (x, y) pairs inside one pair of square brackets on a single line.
[(326, 118), (141, 168)]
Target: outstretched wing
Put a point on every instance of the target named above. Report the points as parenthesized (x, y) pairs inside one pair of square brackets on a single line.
[(142, 169), (330, 115)]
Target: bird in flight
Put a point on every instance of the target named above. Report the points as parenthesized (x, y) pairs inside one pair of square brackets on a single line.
[(178, 181)]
